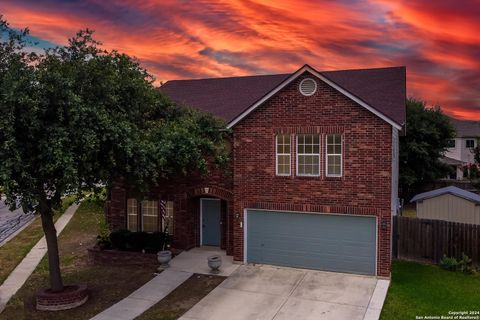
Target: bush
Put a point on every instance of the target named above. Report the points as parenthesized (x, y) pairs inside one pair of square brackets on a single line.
[(119, 239), (103, 238), (452, 264), (465, 265), (449, 263), (125, 240), (135, 241)]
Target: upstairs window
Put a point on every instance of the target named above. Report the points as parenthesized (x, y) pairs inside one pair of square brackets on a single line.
[(283, 155), (132, 215), (334, 155), (470, 143), (451, 143), (308, 155)]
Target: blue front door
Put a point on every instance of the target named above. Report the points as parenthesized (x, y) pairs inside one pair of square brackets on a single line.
[(211, 209)]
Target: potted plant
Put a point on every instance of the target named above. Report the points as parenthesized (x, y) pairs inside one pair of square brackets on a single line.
[(215, 262)]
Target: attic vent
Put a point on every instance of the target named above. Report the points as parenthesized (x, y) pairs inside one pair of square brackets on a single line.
[(307, 87)]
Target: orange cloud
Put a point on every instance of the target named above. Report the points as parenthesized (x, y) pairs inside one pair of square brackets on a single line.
[(437, 41)]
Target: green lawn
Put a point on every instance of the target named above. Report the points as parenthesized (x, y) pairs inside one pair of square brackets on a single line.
[(13, 252), (107, 284), (422, 290)]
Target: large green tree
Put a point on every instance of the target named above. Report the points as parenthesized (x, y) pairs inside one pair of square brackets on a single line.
[(428, 131), (77, 116)]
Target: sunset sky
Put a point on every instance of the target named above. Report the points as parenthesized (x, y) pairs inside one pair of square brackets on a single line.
[(438, 41)]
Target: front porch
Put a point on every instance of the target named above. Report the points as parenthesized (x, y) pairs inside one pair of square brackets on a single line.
[(195, 261)]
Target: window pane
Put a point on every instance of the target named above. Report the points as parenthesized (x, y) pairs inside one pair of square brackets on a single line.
[(132, 215), (334, 154), (150, 224), (308, 154), (308, 148), (283, 154), (149, 216)]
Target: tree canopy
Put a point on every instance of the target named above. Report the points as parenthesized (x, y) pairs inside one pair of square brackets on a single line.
[(428, 131), (78, 116)]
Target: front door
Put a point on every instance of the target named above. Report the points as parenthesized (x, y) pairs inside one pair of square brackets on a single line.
[(210, 216)]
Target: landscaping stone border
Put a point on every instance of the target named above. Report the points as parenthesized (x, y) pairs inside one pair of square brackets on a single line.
[(71, 297)]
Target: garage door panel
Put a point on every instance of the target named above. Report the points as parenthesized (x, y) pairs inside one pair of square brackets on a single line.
[(325, 242)]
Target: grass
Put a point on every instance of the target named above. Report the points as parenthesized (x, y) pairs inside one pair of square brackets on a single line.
[(427, 290), (13, 252), (182, 298), (108, 284)]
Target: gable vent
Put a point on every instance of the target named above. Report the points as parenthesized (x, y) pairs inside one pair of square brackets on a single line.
[(307, 87)]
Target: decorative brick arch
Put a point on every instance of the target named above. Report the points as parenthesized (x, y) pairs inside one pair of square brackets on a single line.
[(221, 193)]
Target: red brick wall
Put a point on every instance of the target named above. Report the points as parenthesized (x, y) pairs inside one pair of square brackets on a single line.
[(365, 187), (185, 192)]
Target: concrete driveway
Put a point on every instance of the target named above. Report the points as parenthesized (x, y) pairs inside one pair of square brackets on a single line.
[(268, 292)]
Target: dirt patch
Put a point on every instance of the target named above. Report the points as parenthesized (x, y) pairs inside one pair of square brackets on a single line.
[(183, 298)]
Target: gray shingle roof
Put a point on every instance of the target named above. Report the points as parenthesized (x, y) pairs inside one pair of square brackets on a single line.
[(448, 190), (466, 128), (381, 88)]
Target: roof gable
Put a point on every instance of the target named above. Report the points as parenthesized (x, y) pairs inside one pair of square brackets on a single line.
[(381, 91)]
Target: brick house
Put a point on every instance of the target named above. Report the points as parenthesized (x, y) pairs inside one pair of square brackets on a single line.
[(313, 174)]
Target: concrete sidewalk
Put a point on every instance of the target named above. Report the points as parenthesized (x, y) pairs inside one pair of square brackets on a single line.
[(145, 297), (20, 274)]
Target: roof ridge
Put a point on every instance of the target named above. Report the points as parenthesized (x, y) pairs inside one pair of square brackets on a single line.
[(232, 77), (365, 69)]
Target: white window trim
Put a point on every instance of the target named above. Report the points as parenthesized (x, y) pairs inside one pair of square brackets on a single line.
[(466, 142), (283, 154), (333, 154), (309, 154)]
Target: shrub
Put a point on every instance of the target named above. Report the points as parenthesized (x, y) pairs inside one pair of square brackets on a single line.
[(452, 264), (135, 241), (156, 242), (119, 239), (103, 238), (465, 265), (449, 263), (125, 240)]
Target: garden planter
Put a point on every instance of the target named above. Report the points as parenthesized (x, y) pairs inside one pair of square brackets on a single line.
[(71, 297), (215, 262), (164, 258)]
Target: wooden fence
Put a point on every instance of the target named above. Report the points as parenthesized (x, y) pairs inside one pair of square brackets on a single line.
[(428, 240)]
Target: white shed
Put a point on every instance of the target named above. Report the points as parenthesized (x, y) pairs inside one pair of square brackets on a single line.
[(450, 204)]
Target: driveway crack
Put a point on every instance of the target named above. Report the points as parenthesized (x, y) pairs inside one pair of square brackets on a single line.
[(290, 294)]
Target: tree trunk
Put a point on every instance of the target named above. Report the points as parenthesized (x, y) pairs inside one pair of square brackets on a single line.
[(56, 283)]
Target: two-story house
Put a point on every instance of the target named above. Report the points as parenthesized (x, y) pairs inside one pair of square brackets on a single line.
[(460, 151), (313, 174)]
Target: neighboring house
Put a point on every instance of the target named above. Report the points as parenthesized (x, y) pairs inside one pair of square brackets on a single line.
[(460, 152), (450, 204), (313, 174)]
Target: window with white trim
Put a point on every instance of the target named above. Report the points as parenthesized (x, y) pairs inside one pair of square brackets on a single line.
[(149, 216), (334, 155), (470, 143), (308, 155), (168, 218), (132, 215), (283, 154)]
